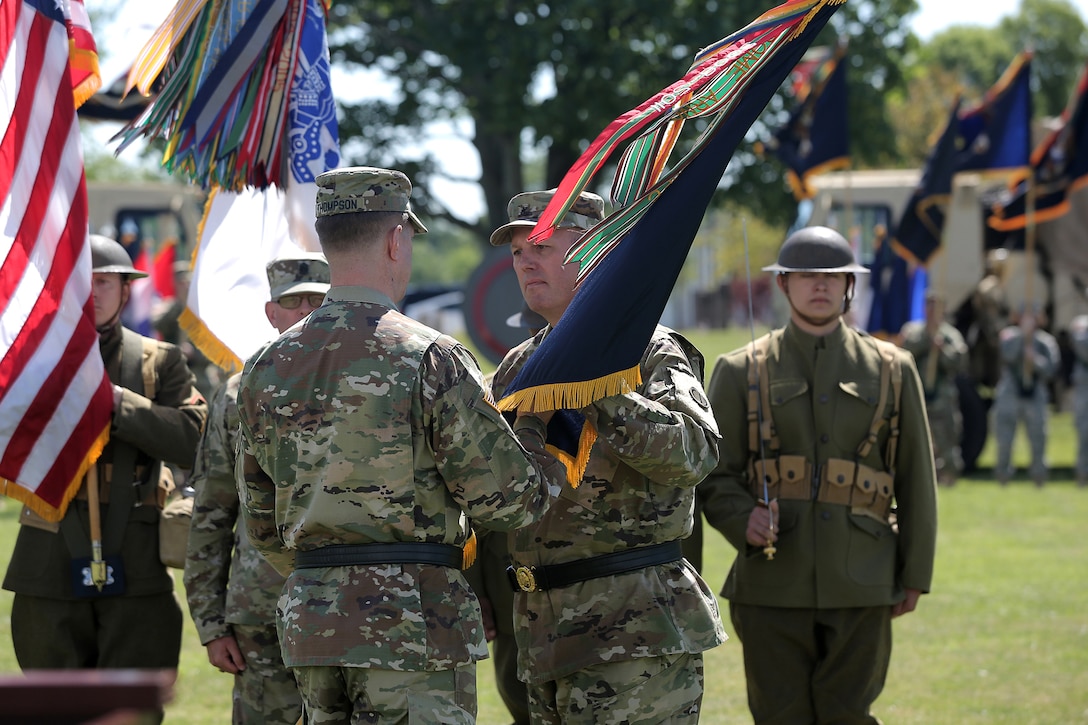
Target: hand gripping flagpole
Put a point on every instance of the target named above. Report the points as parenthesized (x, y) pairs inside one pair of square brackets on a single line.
[(768, 550)]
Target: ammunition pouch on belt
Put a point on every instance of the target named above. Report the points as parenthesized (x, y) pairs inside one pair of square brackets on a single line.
[(788, 477), (846, 483)]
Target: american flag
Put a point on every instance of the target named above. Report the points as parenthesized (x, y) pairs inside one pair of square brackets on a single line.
[(55, 398)]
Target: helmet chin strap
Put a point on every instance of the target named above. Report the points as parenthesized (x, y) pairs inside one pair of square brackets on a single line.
[(851, 283)]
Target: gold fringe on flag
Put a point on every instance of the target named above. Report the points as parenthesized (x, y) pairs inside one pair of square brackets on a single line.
[(468, 551), (205, 340), (40, 507), (576, 464), (86, 60), (571, 396)]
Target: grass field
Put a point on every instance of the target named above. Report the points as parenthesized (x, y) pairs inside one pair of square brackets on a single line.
[(1003, 638)]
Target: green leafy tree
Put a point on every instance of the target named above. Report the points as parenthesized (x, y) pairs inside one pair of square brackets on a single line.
[(968, 59), (976, 56), (533, 82), (1056, 32)]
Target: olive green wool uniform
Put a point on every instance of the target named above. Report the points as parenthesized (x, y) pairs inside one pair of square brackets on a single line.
[(141, 626), (839, 568)]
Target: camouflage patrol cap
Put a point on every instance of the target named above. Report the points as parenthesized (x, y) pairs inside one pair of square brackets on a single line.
[(525, 209), (365, 188), (297, 275)]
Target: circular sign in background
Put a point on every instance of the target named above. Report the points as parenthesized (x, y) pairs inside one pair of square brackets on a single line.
[(492, 295)]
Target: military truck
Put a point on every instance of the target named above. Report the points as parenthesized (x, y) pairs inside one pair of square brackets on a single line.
[(146, 213)]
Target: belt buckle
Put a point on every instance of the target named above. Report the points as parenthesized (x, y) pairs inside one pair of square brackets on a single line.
[(526, 578)]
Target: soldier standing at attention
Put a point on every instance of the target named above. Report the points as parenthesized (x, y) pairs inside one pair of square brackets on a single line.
[(369, 439), (1022, 392), (60, 619), (940, 355), (810, 469), (1078, 336), (611, 621), (232, 590)]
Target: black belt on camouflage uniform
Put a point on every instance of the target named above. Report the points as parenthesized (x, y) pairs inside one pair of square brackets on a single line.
[(554, 576), (405, 552)]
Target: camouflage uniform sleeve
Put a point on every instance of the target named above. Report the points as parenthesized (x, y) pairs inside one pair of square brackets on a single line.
[(487, 470), (667, 431), (915, 486), (215, 512), (167, 426), (257, 499), (727, 499)]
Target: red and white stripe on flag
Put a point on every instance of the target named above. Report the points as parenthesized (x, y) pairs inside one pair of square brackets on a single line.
[(55, 397)]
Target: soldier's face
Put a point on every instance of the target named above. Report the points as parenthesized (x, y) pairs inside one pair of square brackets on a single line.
[(108, 290), (546, 283), (284, 316), (815, 297)]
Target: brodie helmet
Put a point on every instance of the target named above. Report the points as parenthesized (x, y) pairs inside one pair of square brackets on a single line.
[(815, 249), (109, 256)]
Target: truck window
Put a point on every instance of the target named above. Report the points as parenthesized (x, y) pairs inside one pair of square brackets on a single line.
[(859, 223), (150, 230)]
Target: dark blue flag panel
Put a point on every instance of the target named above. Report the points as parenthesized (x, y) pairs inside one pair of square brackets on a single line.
[(997, 133), (817, 137), (918, 234), (1059, 166)]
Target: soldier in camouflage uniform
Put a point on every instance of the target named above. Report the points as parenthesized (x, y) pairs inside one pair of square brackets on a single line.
[(61, 621), (1022, 393), (940, 354), (232, 599), (611, 620), (1078, 336), (369, 440), (810, 467)]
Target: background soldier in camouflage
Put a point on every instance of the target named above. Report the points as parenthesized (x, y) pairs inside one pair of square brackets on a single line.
[(57, 622), (1078, 336), (369, 439), (940, 354), (815, 620), (232, 599), (624, 646), (1023, 392)]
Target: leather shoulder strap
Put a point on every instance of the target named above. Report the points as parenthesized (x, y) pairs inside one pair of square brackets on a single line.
[(891, 385), (760, 421)]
